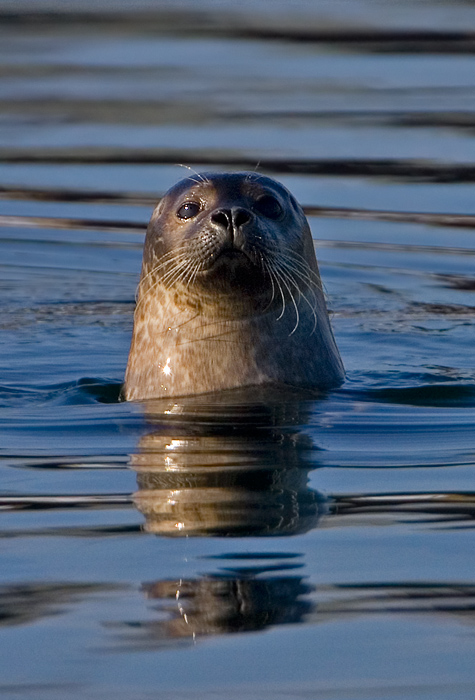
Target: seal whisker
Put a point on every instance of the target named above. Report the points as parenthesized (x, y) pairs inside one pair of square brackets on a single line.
[(166, 279), (178, 326), (255, 175), (218, 337), (187, 275), (176, 274), (311, 306), (311, 275), (179, 258), (144, 296), (201, 176), (276, 277), (195, 271), (292, 274), (215, 322), (179, 251), (302, 273), (181, 275), (301, 265), (299, 273), (273, 275), (154, 272), (287, 256), (284, 278), (169, 273), (265, 268), (272, 248)]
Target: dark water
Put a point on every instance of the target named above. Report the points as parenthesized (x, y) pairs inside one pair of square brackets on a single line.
[(244, 544)]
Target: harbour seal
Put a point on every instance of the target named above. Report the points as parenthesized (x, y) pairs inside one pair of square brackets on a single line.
[(230, 293)]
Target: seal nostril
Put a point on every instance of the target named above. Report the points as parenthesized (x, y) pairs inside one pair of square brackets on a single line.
[(240, 217), (222, 217), (230, 219)]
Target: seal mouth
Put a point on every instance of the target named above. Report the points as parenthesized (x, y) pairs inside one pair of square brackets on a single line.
[(233, 272), (233, 254), (231, 257)]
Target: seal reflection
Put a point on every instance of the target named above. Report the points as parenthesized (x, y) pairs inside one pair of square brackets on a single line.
[(219, 466), (213, 604), (232, 464)]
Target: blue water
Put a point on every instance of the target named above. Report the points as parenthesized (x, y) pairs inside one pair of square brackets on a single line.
[(240, 544)]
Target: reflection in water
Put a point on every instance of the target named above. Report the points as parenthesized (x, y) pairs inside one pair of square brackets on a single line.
[(438, 509), (220, 466), (238, 600), (230, 464), (223, 605), (237, 465), (242, 601), (26, 603)]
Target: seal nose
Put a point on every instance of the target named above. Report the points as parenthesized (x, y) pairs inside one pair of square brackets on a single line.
[(231, 219)]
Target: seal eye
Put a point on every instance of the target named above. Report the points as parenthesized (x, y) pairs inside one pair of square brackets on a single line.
[(188, 210), (269, 207)]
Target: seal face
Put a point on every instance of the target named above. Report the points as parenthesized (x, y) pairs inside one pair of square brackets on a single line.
[(230, 293)]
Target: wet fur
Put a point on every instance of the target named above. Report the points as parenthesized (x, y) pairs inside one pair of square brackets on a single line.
[(212, 315)]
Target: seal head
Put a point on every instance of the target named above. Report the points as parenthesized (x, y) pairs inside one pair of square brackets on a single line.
[(230, 293)]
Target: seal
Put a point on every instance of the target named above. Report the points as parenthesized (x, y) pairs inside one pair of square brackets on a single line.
[(230, 293)]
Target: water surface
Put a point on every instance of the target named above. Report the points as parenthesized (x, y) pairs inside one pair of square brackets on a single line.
[(241, 544)]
